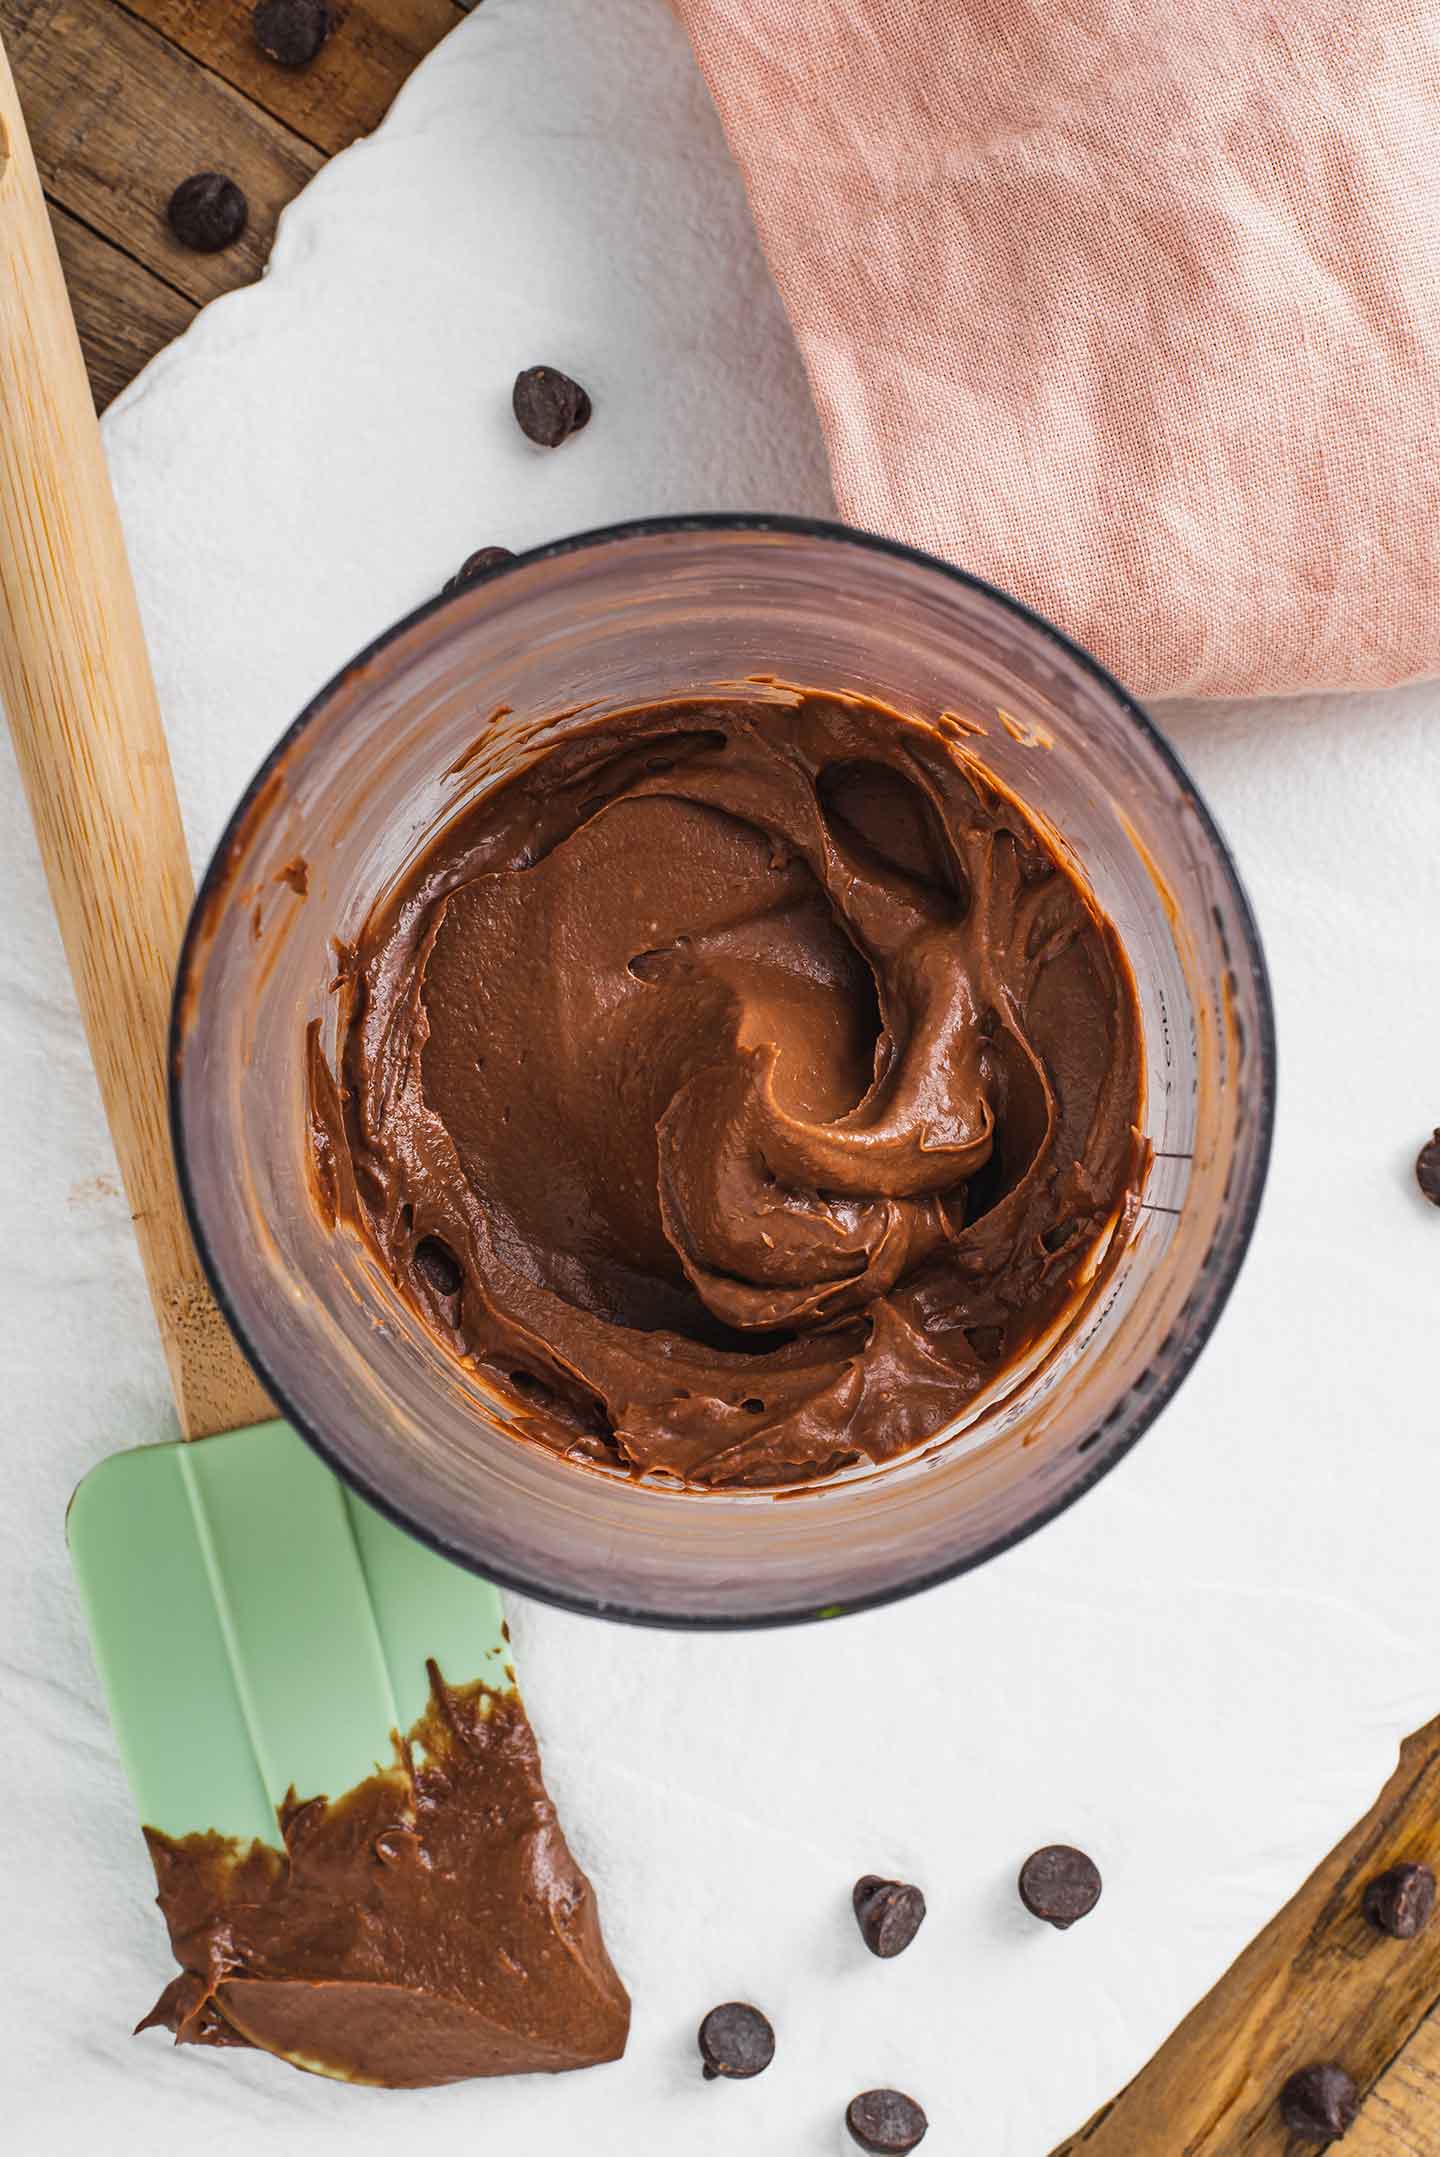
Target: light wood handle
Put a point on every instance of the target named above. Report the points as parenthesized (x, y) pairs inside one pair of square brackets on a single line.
[(76, 685)]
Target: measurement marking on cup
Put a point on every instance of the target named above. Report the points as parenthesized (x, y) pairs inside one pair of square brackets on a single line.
[(1159, 1156), (1148, 1205)]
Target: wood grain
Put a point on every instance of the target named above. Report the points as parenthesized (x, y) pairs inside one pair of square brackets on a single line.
[(118, 117), (1402, 2116), (1318, 1984), (128, 314), (77, 689), (345, 92)]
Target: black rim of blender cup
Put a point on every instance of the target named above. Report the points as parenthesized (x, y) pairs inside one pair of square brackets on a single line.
[(1144, 1398)]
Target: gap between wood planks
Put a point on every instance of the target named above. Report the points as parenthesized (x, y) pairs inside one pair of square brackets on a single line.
[(125, 98), (344, 92)]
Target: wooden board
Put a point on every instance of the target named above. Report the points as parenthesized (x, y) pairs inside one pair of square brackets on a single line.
[(118, 117), (1318, 1984), (124, 101), (1403, 2110), (126, 314), (345, 92)]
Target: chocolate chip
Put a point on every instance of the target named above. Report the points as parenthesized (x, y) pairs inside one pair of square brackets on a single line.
[(477, 565), (207, 212), (1059, 1884), (437, 1264), (1319, 2103), (736, 2041), (888, 1912), (1427, 1169), (291, 31), (1401, 1900), (549, 406), (885, 2121)]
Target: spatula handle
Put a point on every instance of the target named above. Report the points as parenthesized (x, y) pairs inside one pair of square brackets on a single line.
[(77, 689)]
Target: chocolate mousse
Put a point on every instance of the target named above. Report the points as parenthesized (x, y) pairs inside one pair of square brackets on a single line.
[(740, 1087), (426, 1926)]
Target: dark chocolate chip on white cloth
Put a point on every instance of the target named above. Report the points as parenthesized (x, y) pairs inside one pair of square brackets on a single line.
[(886, 2122), (736, 2041), (888, 1912), (549, 406), (1059, 1884)]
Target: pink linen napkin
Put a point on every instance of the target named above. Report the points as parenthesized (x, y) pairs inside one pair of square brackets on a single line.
[(1132, 306)]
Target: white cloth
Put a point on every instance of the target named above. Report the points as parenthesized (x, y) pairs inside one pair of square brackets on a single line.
[(1200, 1673)]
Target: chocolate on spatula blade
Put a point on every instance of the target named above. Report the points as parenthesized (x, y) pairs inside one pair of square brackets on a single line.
[(358, 1861)]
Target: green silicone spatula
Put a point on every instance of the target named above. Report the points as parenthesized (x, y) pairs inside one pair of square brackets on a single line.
[(256, 1626)]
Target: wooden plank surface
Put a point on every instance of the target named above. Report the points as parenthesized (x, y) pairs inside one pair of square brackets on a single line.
[(127, 313), (1402, 2118), (125, 99), (118, 117), (344, 92), (1318, 1984)]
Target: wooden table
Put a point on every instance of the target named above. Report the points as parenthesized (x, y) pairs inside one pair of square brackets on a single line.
[(126, 98)]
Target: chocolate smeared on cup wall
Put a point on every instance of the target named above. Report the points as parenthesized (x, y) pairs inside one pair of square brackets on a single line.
[(742, 1086)]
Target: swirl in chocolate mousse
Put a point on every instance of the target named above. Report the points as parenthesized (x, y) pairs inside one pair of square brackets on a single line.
[(743, 1085)]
